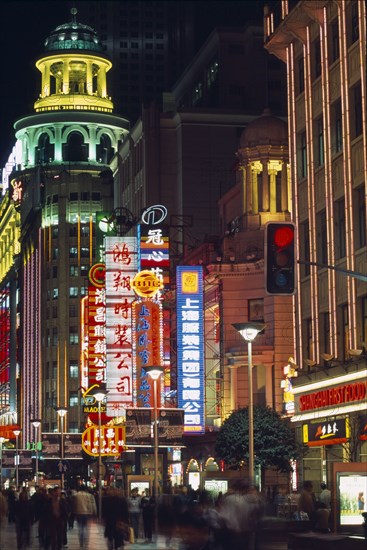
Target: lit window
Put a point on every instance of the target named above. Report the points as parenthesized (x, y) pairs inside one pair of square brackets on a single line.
[(73, 291)]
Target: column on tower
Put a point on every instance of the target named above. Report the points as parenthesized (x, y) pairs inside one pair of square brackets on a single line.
[(89, 77), (265, 186), (65, 77), (101, 82)]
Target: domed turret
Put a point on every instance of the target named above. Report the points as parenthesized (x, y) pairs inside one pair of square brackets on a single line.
[(265, 130), (73, 36)]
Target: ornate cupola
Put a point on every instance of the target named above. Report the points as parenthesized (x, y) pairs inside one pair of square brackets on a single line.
[(264, 159), (74, 120)]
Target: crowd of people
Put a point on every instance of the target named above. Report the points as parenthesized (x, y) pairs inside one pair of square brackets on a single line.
[(232, 521)]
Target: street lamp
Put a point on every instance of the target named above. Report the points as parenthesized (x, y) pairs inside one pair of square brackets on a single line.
[(249, 331), (99, 396), (36, 423), (155, 373), (2, 439), (61, 411), (17, 434)]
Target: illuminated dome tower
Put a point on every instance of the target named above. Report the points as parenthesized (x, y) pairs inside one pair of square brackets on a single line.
[(63, 151)]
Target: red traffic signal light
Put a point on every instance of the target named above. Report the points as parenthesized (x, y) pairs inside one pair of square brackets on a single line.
[(280, 258)]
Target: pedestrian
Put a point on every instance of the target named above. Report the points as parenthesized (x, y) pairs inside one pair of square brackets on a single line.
[(57, 520), (42, 507), (3, 512), (69, 500), (23, 513), (166, 518), (307, 501), (147, 505), (115, 515), (134, 511), (84, 507), (325, 496), (241, 511), (360, 501)]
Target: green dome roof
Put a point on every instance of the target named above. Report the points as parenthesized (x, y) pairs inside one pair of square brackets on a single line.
[(73, 36)]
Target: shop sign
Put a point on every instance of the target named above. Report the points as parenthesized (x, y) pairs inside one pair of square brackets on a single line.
[(146, 284), (363, 432), (170, 426), (349, 393), (51, 445), (138, 426), (111, 439), (190, 347), (332, 432)]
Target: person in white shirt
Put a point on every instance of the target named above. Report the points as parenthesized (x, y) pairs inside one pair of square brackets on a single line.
[(325, 496)]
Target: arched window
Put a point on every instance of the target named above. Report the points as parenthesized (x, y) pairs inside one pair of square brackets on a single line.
[(104, 150), (75, 149), (45, 150)]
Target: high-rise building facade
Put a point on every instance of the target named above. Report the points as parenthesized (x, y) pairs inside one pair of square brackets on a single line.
[(62, 172), (323, 44), (149, 44)]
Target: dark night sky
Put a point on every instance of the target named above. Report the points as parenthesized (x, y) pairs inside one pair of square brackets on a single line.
[(25, 25)]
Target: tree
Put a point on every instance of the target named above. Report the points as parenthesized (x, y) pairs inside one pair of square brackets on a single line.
[(274, 441)]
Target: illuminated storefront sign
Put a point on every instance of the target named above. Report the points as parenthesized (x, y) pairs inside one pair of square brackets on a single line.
[(332, 432), (138, 426), (96, 331), (154, 250), (339, 395), (121, 267), (190, 347), (111, 438), (146, 284), (17, 193), (147, 345)]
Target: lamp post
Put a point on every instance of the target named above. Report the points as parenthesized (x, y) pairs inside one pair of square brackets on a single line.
[(155, 373), (2, 439), (249, 331), (36, 423), (61, 411), (17, 434), (99, 396)]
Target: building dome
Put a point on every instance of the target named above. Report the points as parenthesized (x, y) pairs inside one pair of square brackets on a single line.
[(73, 36), (265, 130)]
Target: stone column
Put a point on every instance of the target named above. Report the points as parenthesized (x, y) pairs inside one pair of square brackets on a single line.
[(284, 185), (255, 191), (65, 78), (89, 77), (248, 189), (265, 186), (101, 82), (273, 191)]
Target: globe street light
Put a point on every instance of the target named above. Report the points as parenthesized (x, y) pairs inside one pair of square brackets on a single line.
[(155, 373), (249, 331), (61, 411), (36, 423), (17, 434), (99, 396)]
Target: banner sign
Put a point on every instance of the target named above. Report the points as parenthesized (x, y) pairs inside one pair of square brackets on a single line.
[(170, 426), (332, 432), (190, 347), (51, 445), (138, 426), (147, 346), (121, 267), (111, 439)]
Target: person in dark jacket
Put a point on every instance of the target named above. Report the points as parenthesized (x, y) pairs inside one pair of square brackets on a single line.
[(147, 505), (24, 515), (115, 514)]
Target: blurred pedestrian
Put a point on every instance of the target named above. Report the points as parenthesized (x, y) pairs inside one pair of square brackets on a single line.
[(135, 511), (325, 496), (3, 512), (166, 518), (24, 515), (57, 520), (307, 501), (147, 505), (84, 508), (115, 515)]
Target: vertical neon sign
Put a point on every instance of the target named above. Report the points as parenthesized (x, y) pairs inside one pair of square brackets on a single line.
[(190, 347)]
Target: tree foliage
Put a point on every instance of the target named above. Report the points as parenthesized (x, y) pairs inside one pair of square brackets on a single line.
[(274, 440)]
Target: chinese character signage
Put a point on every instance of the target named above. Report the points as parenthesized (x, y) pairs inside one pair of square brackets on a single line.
[(190, 347), (154, 250), (147, 340), (96, 326), (138, 426), (111, 439), (121, 267), (170, 426), (333, 432)]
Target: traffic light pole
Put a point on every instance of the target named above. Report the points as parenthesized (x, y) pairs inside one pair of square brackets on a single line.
[(348, 272)]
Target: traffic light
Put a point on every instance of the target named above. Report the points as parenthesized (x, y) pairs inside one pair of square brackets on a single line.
[(280, 258)]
